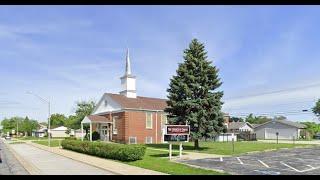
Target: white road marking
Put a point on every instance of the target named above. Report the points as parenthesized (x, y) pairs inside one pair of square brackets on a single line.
[(264, 164), (221, 159), (311, 166), (239, 160), (290, 167)]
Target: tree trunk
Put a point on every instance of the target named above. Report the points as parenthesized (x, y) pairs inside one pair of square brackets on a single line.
[(196, 144)]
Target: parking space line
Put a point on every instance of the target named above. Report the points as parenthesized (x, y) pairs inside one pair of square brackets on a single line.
[(264, 164), (311, 166), (221, 159), (239, 160), (290, 167)]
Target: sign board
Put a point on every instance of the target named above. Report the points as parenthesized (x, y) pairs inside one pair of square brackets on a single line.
[(175, 133), (176, 138)]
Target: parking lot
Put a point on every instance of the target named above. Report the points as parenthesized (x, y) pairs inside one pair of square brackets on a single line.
[(298, 161)]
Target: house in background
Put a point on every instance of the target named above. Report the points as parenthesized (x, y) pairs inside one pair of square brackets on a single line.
[(59, 132), (239, 127), (39, 132), (285, 129), (126, 117)]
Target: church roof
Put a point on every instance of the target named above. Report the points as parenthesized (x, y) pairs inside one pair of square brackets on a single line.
[(94, 118), (139, 102)]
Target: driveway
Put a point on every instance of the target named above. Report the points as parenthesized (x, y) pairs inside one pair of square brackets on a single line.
[(298, 161)]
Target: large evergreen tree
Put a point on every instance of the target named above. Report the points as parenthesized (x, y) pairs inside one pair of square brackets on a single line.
[(193, 98)]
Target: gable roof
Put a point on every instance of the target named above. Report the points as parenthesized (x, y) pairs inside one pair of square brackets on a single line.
[(94, 118), (61, 128), (289, 123), (139, 102), (237, 125)]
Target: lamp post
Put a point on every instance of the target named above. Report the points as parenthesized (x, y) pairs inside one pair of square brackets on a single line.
[(48, 113)]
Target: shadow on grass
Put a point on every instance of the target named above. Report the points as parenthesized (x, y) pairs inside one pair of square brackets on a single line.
[(175, 147), (163, 155)]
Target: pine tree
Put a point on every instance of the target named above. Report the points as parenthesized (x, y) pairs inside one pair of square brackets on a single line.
[(192, 98)]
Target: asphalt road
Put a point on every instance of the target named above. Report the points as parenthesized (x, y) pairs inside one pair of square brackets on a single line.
[(298, 161), (10, 165)]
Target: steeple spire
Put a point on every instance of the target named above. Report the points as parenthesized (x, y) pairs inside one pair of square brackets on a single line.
[(128, 67), (128, 81)]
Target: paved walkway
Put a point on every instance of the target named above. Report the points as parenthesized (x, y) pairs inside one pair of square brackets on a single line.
[(47, 163), (101, 163)]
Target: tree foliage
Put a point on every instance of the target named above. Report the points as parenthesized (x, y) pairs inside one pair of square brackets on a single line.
[(19, 124), (57, 120), (316, 108), (236, 119), (257, 119), (312, 127), (193, 97)]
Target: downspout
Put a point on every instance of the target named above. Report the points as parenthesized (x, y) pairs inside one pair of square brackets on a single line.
[(111, 127), (156, 126)]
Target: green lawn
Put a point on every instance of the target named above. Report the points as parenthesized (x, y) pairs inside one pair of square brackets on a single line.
[(18, 142), (38, 138), (226, 148), (158, 161), (53, 143)]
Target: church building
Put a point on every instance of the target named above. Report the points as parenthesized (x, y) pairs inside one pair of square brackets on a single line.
[(128, 118)]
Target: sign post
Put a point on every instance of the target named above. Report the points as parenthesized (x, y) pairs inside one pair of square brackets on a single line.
[(277, 133), (180, 151), (176, 133), (170, 151)]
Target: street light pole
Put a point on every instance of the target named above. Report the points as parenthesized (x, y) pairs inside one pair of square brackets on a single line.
[(49, 143)]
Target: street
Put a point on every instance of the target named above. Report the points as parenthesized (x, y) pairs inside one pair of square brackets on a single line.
[(10, 165)]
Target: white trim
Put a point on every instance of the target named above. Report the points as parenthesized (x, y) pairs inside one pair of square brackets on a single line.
[(147, 121), (147, 140), (129, 110), (115, 131), (162, 114), (104, 96), (135, 140)]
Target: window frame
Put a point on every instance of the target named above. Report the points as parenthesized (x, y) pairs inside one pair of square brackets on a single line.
[(115, 122), (147, 120), (147, 140), (135, 140)]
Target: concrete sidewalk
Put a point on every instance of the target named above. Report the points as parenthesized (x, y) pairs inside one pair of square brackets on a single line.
[(109, 165), (315, 142)]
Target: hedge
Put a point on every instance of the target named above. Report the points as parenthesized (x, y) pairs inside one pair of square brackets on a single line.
[(70, 138), (120, 152)]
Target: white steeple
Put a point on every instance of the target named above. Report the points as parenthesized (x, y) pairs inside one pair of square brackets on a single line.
[(128, 81), (128, 67)]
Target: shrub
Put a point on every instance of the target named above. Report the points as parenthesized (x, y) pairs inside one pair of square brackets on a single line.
[(120, 152), (95, 136), (70, 138)]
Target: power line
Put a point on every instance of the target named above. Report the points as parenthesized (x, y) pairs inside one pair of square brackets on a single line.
[(274, 92), (277, 105)]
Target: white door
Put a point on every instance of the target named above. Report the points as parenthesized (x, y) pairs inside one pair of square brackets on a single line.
[(105, 133)]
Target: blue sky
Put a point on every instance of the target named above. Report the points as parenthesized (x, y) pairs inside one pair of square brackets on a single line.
[(69, 53)]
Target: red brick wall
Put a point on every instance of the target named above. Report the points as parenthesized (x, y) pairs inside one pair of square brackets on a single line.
[(133, 124)]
